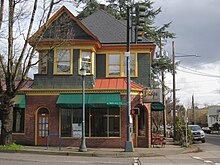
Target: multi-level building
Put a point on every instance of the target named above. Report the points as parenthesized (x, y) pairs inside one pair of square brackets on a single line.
[(52, 104)]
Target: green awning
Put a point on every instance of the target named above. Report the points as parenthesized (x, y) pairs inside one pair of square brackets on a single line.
[(19, 101), (91, 100), (157, 106)]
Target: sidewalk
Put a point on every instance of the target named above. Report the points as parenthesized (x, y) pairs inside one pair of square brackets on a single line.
[(108, 152)]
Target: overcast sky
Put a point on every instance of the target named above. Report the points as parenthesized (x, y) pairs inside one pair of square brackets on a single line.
[(196, 24)]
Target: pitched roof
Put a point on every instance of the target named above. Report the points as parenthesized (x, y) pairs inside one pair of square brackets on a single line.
[(107, 28), (63, 9), (115, 83)]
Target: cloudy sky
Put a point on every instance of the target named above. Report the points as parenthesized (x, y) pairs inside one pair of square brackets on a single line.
[(196, 24)]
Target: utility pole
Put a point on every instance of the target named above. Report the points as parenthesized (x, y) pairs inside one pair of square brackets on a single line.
[(193, 110), (174, 93), (163, 92)]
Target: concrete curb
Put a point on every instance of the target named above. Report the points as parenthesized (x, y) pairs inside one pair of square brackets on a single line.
[(115, 153)]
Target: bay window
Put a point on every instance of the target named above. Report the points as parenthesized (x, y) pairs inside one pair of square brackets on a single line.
[(86, 60), (43, 56)]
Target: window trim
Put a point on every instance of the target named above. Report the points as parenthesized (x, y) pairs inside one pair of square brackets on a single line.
[(55, 62), (92, 61), (90, 125), (122, 64), (135, 65)]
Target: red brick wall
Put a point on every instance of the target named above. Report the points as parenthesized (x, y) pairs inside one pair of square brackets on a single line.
[(33, 103)]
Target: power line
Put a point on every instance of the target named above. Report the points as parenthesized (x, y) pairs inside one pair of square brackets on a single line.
[(191, 71)]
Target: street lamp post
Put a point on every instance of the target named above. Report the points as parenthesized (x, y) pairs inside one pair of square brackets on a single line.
[(129, 144), (83, 140)]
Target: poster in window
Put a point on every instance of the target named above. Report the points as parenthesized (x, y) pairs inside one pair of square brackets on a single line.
[(77, 130)]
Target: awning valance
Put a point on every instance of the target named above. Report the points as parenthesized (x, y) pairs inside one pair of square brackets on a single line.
[(91, 100), (19, 101), (157, 106)]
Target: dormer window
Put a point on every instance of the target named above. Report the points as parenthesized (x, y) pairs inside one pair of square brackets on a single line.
[(63, 61)]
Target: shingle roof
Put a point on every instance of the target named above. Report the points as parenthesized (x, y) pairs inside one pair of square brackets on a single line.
[(26, 85), (105, 27)]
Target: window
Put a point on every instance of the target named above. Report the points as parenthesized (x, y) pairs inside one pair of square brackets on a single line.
[(99, 122), (18, 121), (114, 63), (43, 56), (86, 60), (71, 122), (132, 65), (63, 61), (141, 123), (117, 66)]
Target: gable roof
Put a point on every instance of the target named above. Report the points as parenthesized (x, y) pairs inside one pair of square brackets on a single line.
[(62, 10), (107, 28)]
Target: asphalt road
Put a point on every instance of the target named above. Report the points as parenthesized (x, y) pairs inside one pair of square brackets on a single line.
[(210, 155)]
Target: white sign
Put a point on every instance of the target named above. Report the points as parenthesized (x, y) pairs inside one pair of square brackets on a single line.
[(157, 95), (77, 130)]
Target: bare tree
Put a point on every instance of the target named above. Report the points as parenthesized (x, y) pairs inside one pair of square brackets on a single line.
[(18, 19)]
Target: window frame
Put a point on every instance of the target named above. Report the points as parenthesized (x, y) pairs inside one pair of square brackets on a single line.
[(135, 65), (56, 61), (107, 64), (21, 124), (90, 124), (122, 64), (91, 61)]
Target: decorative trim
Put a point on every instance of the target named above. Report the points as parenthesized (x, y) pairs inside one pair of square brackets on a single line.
[(46, 92)]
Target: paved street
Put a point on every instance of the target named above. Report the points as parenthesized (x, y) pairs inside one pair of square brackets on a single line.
[(36, 159), (171, 155)]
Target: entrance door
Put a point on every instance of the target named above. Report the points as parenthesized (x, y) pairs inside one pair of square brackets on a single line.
[(135, 130), (42, 126)]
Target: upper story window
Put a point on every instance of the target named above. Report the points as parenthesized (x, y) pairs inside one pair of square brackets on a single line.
[(86, 59), (63, 61), (116, 65), (133, 70), (42, 65)]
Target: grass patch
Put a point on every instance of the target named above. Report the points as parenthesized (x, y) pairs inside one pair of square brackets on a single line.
[(11, 147)]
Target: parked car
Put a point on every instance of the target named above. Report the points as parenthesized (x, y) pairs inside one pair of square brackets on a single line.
[(206, 129), (198, 133)]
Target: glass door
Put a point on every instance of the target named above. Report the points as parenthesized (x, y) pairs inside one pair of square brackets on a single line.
[(42, 126)]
